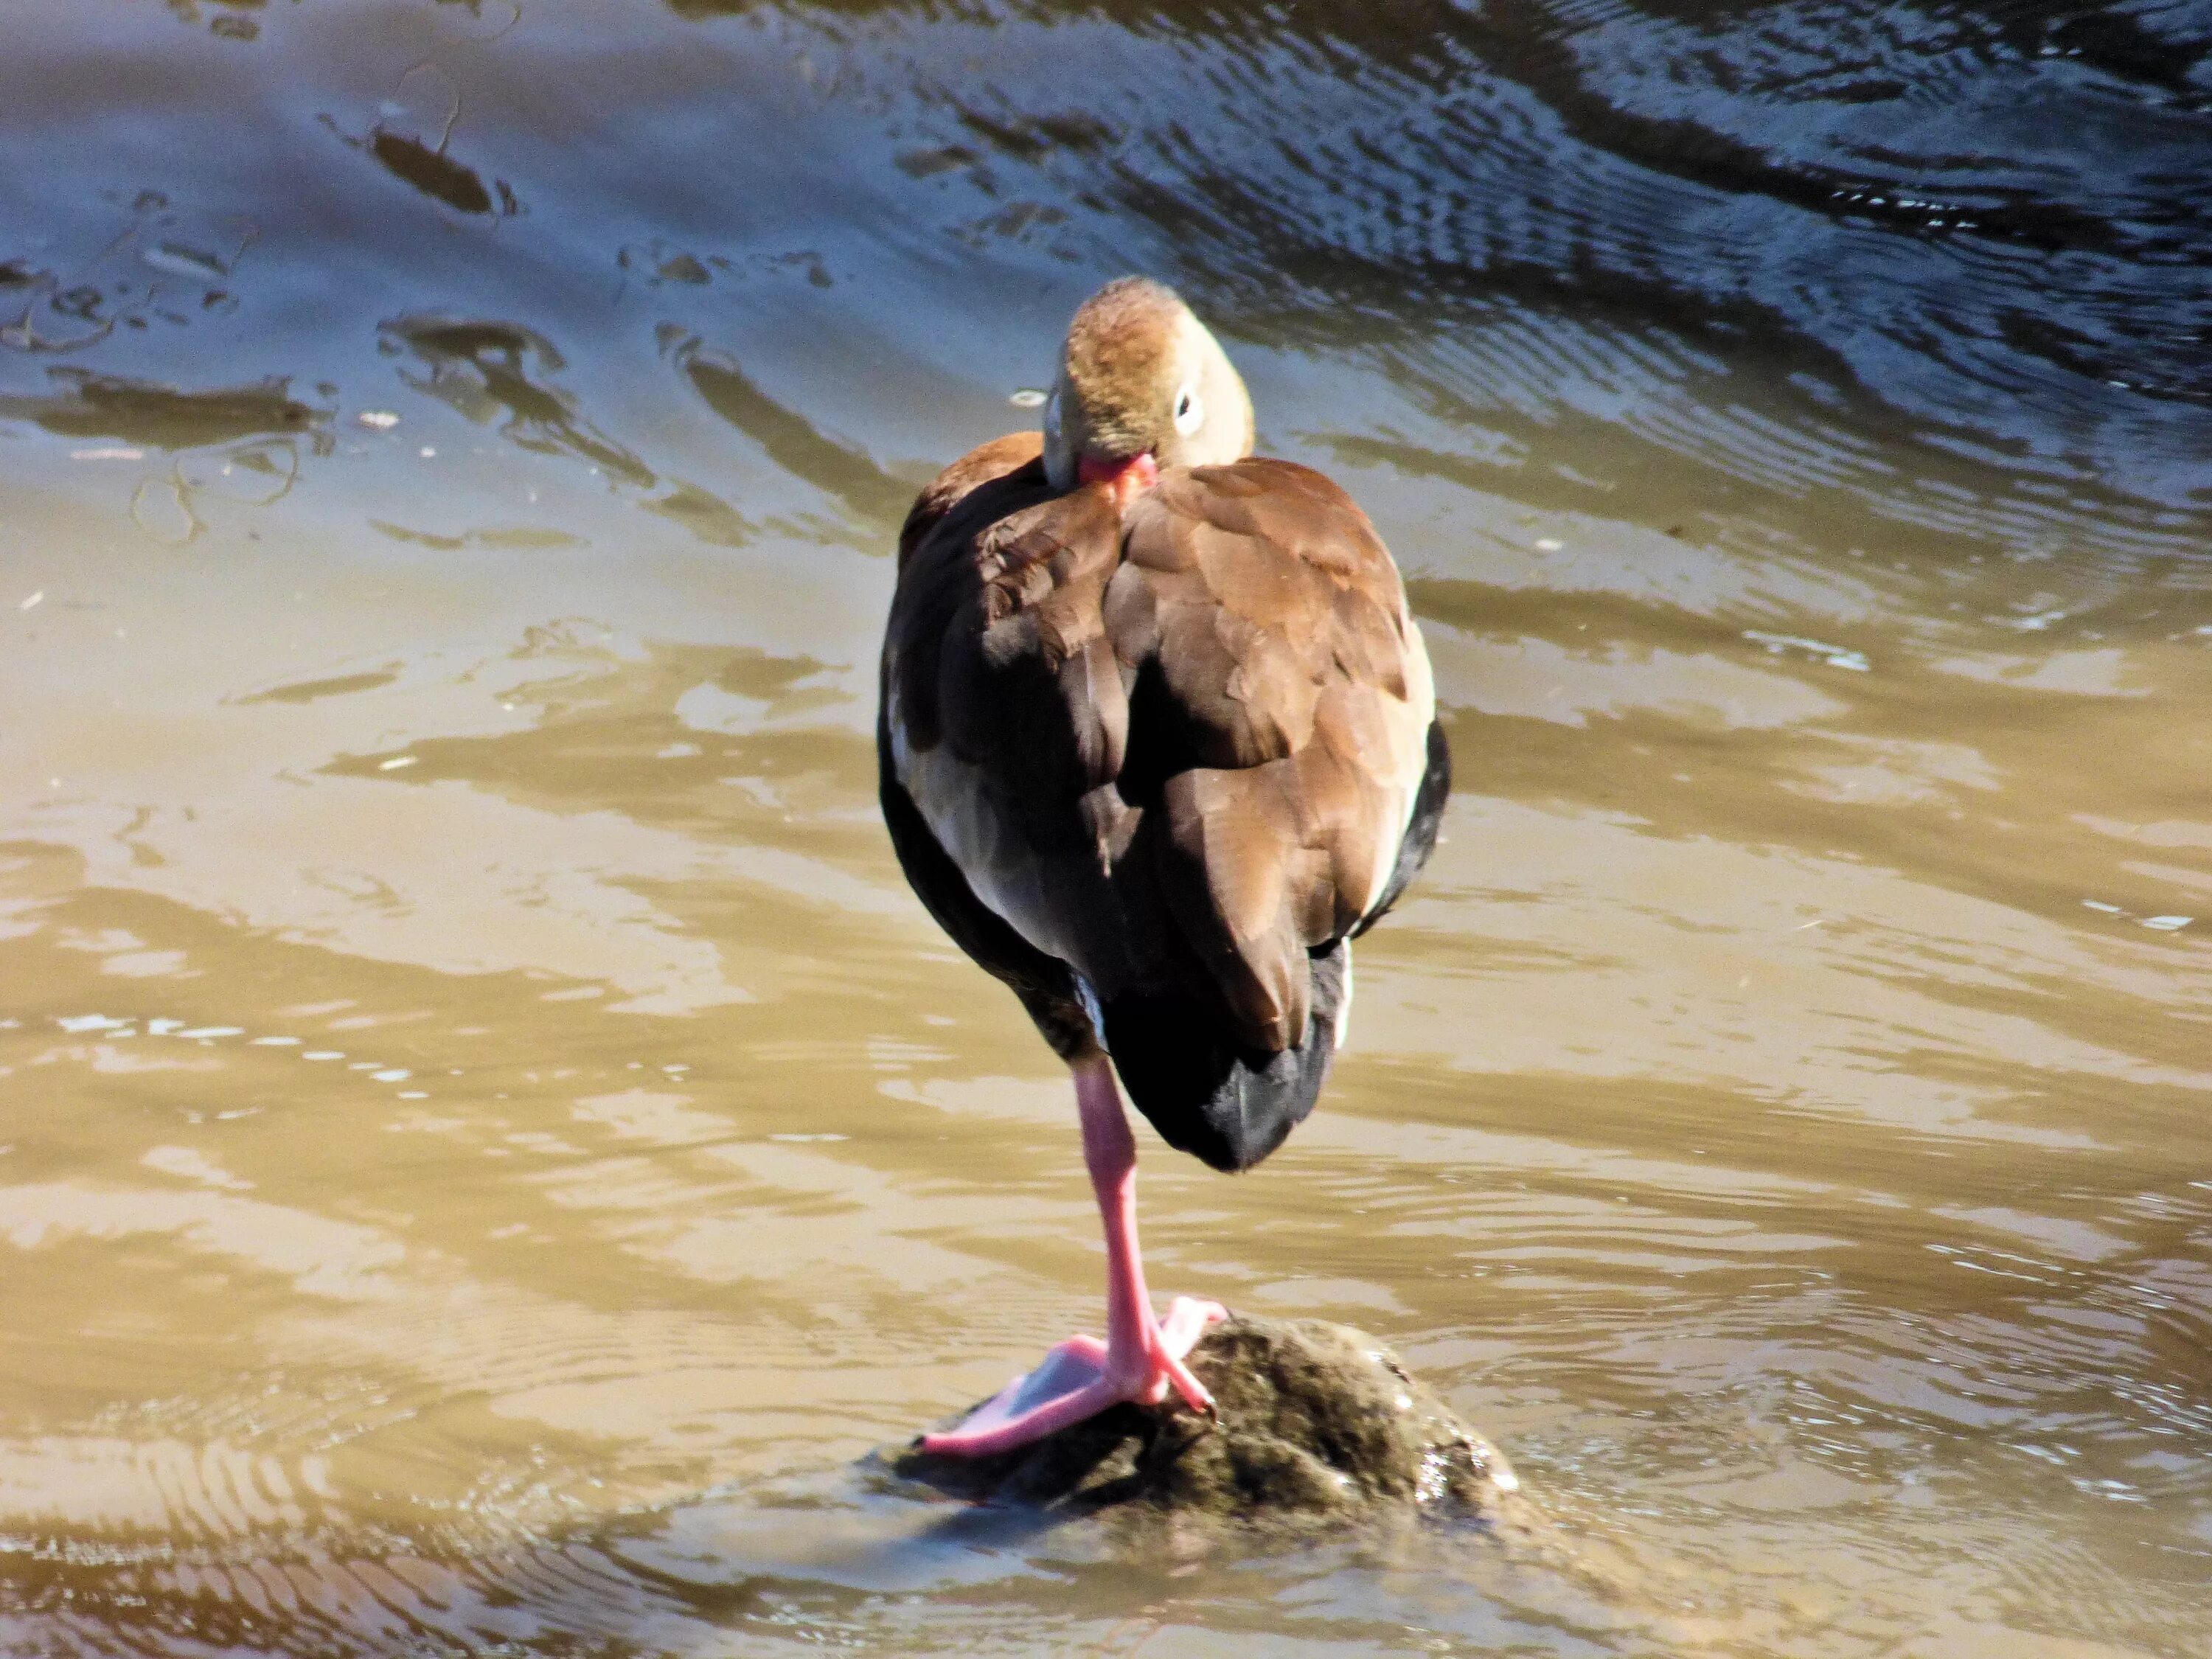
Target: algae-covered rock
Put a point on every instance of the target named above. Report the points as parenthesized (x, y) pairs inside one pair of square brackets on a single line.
[(1318, 1425)]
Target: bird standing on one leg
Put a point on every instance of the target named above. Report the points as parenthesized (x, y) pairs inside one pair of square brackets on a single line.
[(1158, 740)]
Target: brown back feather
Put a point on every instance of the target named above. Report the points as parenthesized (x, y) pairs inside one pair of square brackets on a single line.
[(1194, 735)]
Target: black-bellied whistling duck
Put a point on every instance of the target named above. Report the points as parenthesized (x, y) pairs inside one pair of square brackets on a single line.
[(1158, 740)]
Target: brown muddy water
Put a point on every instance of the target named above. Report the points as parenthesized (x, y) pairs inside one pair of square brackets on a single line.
[(487, 1140)]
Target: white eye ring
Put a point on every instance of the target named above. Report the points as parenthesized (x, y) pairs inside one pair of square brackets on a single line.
[(1189, 413)]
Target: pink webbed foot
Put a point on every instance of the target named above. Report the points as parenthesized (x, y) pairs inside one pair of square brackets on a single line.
[(1082, 1377)]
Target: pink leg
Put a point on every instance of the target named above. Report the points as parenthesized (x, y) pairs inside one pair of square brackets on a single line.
[(1142, 1359)]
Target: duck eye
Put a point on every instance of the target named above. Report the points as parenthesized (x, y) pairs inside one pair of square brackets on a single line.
[(1187, 414)]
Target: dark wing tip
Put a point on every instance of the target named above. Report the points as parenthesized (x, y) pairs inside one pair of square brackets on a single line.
[(1225, 1105)]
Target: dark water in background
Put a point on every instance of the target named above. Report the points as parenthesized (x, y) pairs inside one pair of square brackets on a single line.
[(1780, 1121), (1944, 266)]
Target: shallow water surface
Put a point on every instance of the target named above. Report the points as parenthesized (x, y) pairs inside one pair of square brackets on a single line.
[(487, 1140)]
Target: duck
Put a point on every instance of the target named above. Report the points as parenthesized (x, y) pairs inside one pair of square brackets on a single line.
[(1157, 742)]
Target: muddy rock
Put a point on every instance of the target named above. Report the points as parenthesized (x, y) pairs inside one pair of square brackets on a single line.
[(1319, 1425)]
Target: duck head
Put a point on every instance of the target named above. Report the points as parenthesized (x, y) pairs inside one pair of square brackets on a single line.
[(1142, 384)]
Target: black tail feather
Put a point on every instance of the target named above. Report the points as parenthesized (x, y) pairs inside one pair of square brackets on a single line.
[(1208, 1097)]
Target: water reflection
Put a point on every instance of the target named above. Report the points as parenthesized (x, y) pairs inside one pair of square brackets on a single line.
[(482, 370), (791, 442), (86, 405), (438, 175)]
